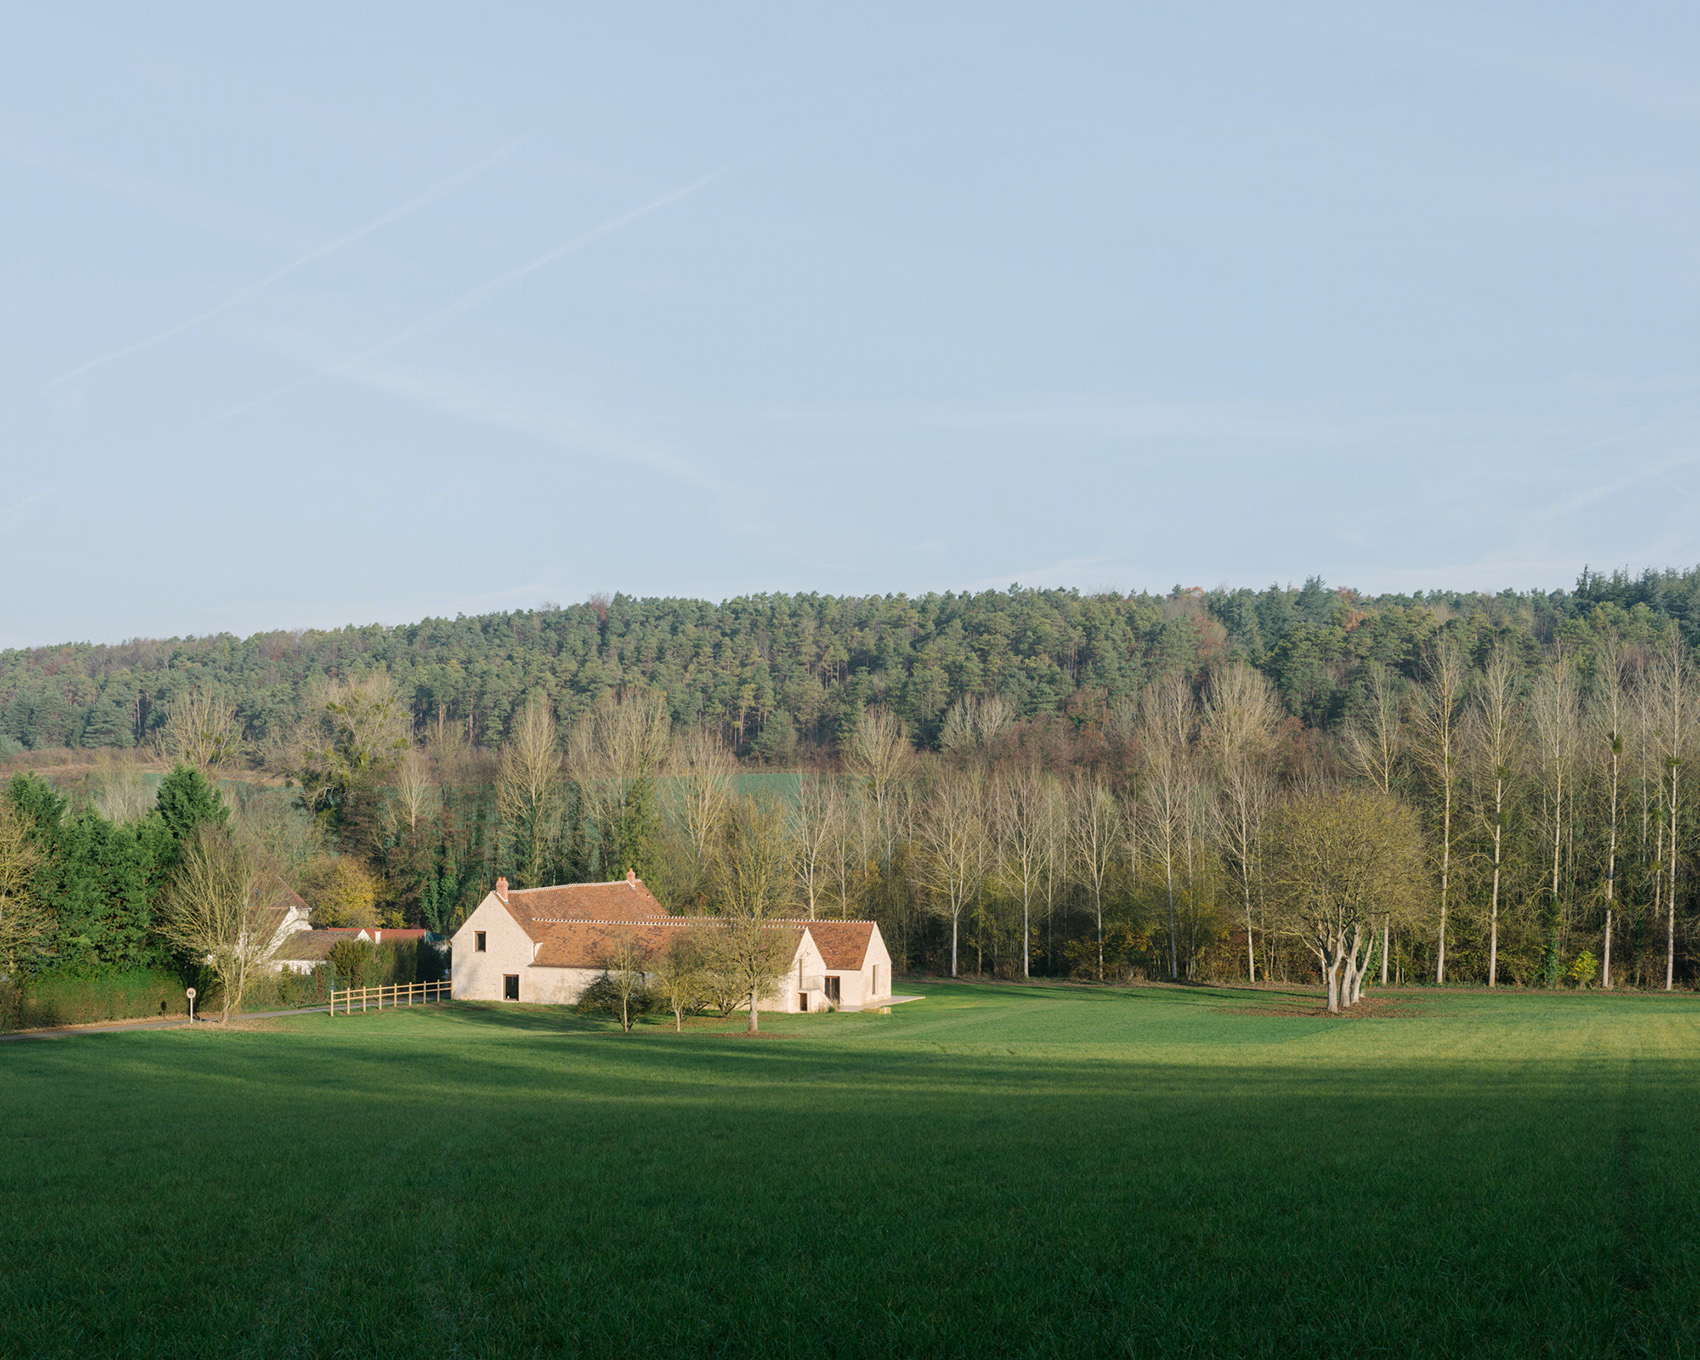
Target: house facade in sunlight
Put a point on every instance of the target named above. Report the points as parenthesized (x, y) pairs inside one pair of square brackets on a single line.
[(547, 945)]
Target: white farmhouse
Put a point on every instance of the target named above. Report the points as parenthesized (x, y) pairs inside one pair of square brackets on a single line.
[(549, 944)]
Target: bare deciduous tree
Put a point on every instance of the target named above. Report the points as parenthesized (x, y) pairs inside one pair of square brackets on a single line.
[(1677, 707), (1022, 818), (1241, 713), (1555, 715), (622, 741), (878, 754), (121, 790), (24, 926), (974, 722), (815, 816), (1168, 718), (1436, 729), (1095, 833), (529, 788), (1493, 736), (221, 907), (199, 731), (1608, 719), (955, 848)]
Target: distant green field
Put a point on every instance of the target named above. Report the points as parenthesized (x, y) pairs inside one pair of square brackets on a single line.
[(989, 1171)]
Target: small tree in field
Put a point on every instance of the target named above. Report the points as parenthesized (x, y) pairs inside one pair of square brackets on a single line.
[(681, 976), (627, 979), (1337, 861), (219, 909)]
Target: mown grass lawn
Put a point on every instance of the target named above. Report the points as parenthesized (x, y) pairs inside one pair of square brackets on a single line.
[(989, 1171)]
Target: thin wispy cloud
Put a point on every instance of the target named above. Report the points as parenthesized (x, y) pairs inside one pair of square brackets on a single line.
[(12, 513), (413, 205), (483, 292)]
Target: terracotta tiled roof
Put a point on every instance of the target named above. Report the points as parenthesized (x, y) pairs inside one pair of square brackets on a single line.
[(590, 944), (537, 908), (842, 944)]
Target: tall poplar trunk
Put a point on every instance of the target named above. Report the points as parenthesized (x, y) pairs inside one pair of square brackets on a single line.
[(1611, 856), (1174, 952), (1498, 847), (1670, 895), (1445, 869)]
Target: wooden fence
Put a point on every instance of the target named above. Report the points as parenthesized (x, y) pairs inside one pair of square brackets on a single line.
[(398, 994)]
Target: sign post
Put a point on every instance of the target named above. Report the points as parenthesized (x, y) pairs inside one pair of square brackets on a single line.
[(190, 993)]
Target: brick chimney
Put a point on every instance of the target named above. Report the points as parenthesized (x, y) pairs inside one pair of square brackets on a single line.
[(631, 878), (502, 889)]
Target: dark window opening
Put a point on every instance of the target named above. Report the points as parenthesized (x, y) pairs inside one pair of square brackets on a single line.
[(478, 940), (833, 989), (510, 987)]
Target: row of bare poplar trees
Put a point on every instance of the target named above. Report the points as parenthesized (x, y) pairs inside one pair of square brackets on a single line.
[(1552, 793)]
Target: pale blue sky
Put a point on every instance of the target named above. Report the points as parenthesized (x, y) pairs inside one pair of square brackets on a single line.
[(359, 313)]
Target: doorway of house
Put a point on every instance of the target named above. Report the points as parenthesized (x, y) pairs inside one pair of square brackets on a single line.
[(510, 987), (834, 989)]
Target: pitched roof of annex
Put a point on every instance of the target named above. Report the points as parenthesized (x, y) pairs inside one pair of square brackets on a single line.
[(842, 944)]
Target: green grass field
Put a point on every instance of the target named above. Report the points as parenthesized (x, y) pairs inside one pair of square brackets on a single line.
[(989, 1171)]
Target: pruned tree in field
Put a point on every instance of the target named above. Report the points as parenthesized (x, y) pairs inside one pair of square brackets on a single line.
[(1241, 714), (955, 847), (221, 908), (1335, 861), (529, 791), (1436, 733), (1555, 719), (1493, 738)]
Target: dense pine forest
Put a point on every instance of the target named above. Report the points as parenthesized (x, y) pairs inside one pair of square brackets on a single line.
[(782, 676), (1289, 784)]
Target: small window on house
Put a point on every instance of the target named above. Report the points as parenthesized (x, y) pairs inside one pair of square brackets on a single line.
[(510, 987), (478, 940)]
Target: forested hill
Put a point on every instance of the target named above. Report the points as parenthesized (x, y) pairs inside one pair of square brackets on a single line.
[(782, 673)]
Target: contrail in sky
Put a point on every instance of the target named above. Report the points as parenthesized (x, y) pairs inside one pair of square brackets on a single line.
[(430, 196), (478, 294)]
